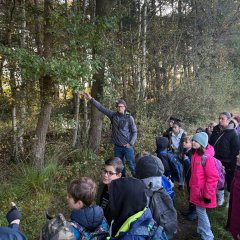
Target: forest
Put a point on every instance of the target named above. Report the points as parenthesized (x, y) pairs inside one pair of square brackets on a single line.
[(164, 58)]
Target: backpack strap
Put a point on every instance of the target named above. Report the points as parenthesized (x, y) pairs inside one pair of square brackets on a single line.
[(78, 227), (218, 139)]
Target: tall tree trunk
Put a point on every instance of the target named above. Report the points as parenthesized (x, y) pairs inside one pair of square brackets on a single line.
[(103, 7), (143, 63), (1, 76), (76, 117), (22, 101), (95, 131), (138, 77), (15, 148), (47, 93)]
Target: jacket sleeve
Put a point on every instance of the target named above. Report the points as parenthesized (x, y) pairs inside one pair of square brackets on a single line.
[(211, 178), (235, 148), (133, 129), (101, 108)]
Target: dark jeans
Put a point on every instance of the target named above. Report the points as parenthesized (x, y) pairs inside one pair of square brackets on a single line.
[(126, 154), (229, 169)]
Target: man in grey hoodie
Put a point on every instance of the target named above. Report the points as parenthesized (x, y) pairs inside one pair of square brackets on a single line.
[(124, 131)]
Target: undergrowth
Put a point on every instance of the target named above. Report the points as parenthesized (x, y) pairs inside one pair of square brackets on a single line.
[(38, 192)]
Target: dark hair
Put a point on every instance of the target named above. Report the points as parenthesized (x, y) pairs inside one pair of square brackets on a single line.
[(199, 151), (83, 189), (198, 130), (177, 123), (116, 162)]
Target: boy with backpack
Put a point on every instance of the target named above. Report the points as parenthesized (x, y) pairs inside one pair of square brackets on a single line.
[(173, 168), (86, 220), (150, 169), (132, 220)]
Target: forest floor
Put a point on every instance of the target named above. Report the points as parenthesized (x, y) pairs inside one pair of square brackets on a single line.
[(186, 228)]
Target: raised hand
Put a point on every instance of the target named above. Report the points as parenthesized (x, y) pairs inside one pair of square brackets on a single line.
[(86, 95)]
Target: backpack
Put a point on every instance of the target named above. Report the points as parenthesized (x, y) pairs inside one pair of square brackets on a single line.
[(168, 187), (99, 234), (175, 167), (163, 211), (220, 169), (155, 232), (58, 229)]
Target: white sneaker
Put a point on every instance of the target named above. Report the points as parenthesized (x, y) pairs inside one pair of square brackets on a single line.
[(220, 197), (228, 198)]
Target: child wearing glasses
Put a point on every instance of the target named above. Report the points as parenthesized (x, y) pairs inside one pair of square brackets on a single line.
[(111, 170)]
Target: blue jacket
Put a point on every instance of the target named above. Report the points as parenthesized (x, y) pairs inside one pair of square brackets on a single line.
[(11, 233), (140, 226), (89, 220)]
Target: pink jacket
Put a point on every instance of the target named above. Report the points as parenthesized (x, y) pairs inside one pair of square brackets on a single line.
[(203, 182)]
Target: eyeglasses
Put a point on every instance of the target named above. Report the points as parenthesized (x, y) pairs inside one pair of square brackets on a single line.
[(109, 173), (120, 106)]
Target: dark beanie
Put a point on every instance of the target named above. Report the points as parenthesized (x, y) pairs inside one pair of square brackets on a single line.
[(121, 101), (161, 143), (149, 166)]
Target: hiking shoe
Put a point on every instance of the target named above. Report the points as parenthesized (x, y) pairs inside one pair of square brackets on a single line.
[(192, 216), (196, 235), (180, 187), (185, 213)]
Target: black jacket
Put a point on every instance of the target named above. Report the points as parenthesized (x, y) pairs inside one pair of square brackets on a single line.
[(227, 146)]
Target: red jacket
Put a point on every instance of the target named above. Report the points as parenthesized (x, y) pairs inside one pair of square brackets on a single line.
[(203, 182)]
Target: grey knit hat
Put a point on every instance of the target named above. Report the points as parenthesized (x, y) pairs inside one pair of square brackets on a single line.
[(149, 166), (201, 138)]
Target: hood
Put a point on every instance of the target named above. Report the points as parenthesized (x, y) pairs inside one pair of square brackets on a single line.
[(127, 196), (210, 150), (231, 126), (154, 183), (161, 143), (90, 217)]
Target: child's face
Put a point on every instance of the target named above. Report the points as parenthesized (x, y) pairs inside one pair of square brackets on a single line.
[(210, 128), (187, 144), (109, 173), (72, 204), (176, 129), (195, 145), (171, 123)]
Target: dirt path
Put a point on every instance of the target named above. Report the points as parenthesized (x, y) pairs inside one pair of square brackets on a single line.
[(185, 228)]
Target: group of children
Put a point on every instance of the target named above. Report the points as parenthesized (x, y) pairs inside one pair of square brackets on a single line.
[(141, 207)]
